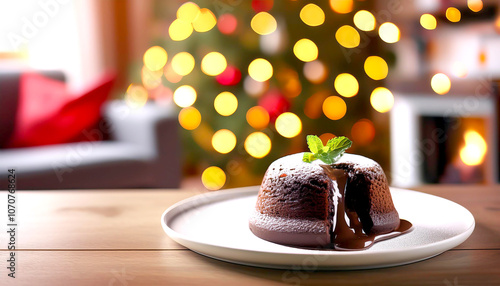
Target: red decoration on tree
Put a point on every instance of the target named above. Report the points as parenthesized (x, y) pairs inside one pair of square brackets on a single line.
[(230, 76), (262, 5), (275, 103)]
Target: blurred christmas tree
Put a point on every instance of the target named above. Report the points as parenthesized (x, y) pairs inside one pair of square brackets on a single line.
[(253, 78)]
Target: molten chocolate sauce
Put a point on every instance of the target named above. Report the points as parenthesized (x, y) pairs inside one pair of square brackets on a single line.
[(347, 231)]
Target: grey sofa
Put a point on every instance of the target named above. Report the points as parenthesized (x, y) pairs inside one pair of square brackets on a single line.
[(142, 151)]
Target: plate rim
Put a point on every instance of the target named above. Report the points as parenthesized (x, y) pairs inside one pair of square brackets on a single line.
[(432, 249)]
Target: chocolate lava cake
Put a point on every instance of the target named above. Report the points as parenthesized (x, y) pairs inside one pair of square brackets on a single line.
[(345, 205)]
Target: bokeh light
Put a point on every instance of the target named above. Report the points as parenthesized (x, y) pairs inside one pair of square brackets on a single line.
[(201, 135), (346, 85), (453, 14), (227, 24), (180, 30), (288, 125), (341, 6), (185, 96), (428, 21), (289, 81), (347, 37), (363, 132), (325, 137), (189, 118), (171, 75), (224, 141), (136, 96), (155, 58), (475, 5), (213, 63), (205, 21), (260, 70), (257, 144), (183, 63), (213, 178), (230, 76), (151, 79), (257, 117), (188, 12), (389, 32), (376, 67), (315, 71), (254, 88), (225, 103), (364, 20), (474, 151), (305, 50), (382, 99), (263, 23), (334, 107), (440, 83), (313, 106), (312, 15)]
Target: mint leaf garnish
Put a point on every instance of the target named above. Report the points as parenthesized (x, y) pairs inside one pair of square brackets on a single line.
[(330, 153)]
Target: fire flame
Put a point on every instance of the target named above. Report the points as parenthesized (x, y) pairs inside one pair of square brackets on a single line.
[(474, 151)]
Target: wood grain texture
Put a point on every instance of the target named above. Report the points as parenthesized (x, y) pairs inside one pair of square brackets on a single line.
[(115, 238), (183, 267)]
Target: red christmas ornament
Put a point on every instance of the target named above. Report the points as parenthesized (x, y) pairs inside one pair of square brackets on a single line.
[(262, 5), (230, 76), (275, 103)]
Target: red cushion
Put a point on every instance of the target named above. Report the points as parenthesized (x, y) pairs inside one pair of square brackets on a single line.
[(48, 114)]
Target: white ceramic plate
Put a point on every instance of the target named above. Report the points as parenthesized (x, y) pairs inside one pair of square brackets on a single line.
[(216, 225)]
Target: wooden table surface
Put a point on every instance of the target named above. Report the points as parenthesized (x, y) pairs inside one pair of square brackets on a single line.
[(115, 238)]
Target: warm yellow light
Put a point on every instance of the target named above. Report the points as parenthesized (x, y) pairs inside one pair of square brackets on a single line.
[(201, 134), (341, 6), (334, 107), (364, 20), (213, 63), (376, 68), (382, 99), (205, 21), (184, 96), (475, 5), (453, 14), (260, 70), (315, 71), (312, 15), (258, 117), (428, 21), (474, 151), (389, 32), (225, 103), (189, 118), (188, 12), (440, 83), (183, 63), (224, 141), (346, 85), (180, 30), (257, 144), (288, 125), (347, 36), (151, 79), (213, 178), (136, 96), (155, 58), (363, 132), (305, 50), (263, 23)]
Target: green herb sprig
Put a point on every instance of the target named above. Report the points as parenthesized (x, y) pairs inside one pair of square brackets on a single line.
[(330, 153)]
